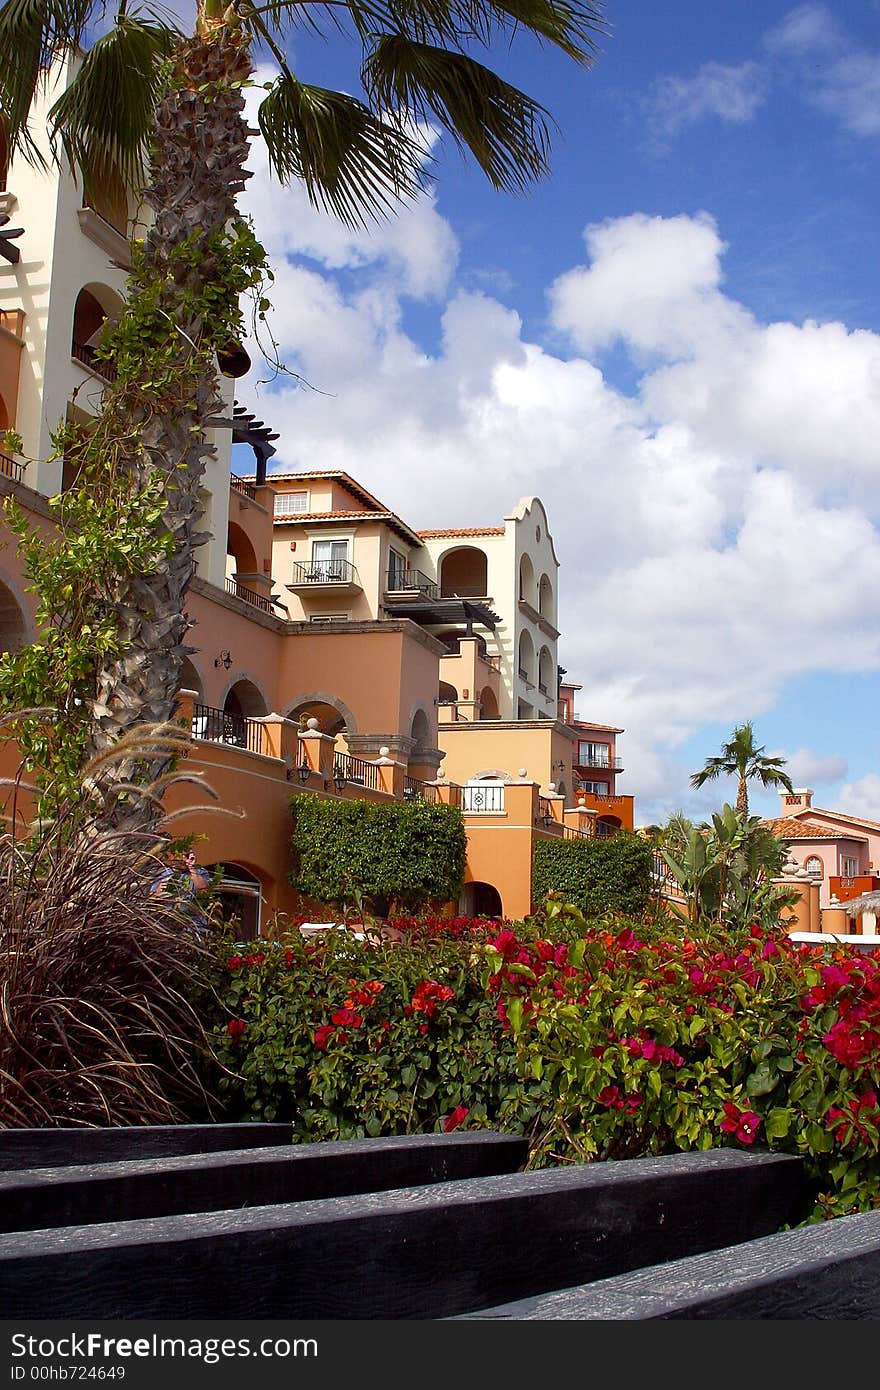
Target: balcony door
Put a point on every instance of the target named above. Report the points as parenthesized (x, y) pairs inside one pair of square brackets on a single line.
[(330, 559)]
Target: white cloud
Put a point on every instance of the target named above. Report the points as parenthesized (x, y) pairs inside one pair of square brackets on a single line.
[(732, 94), (716, 527), (832, 72), (862, 797), (807, 768)]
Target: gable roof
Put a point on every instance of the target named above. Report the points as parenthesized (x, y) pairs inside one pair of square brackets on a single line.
[(839, 815), (795, 828)]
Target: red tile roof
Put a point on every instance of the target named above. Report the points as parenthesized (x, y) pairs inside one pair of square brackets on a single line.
[(789, 828), (462, 531)]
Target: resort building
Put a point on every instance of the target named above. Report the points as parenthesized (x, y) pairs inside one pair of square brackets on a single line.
[(337, 650), (840, 852)]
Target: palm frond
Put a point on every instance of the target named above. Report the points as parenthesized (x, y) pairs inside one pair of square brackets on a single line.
[(571, 25), (104, 118), (506, 132), (33, 33), (351, 161)]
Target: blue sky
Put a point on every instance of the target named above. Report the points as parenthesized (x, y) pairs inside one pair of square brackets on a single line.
[(674, 341)]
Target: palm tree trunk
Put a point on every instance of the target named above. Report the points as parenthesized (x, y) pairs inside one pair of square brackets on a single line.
[(742, 798), (196, 171)]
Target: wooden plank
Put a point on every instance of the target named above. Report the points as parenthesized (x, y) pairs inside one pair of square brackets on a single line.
[(44, 1148), (72, 1196), (422, 1252), (831, 1270)]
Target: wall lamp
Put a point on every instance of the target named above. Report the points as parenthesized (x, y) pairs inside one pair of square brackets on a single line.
[(303, 772), (338, 779), (224, 660)]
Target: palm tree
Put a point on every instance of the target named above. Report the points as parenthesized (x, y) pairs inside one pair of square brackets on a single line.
[(740, 758), (147, 96)]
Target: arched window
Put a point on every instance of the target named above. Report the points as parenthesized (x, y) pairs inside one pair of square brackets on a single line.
[(526, 580), (526, 663), (545, 599), (813, 865), (13, 625)]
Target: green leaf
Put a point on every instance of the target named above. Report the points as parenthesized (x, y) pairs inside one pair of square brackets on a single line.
[(777, 1123)]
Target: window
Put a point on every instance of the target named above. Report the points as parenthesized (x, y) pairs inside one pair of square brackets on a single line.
[(329, 560), (813, 866), (597, 788), (324, 618), (288, 503), (849, 866), (396, 569), (594, 754)]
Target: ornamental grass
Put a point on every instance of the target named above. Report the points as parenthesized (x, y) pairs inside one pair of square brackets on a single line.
[(97, 981)]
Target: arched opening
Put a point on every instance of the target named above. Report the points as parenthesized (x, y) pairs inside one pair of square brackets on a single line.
[(545, 599), (488, 703), (482, 900), (244, 699), (241, 558), (463, 574), (420, 732), (546, 673), (5, 418), (106, 195), (13, 624), (606, 826), (330, 719), (526, 660), (95, 304), (191, 680), (239, 897), (526, 580), (813, 866), (448, 693)]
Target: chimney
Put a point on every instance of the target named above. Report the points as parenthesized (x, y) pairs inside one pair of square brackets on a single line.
[(801, 799)]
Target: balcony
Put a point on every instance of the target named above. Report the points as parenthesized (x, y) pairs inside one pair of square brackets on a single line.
[(479, 800), (241, 485), (844, 887), (597, 760), (219, 726), (85, 355), (268, 605), (10, 468), (416, 790), (403, 582), (339, 576)]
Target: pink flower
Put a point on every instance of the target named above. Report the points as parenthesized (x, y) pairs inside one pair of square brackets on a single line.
[(743, 1123), (323, 1035), (235, 1027)]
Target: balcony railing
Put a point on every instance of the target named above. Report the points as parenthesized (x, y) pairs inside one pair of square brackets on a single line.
[(411, 581), (415, 790), (600, 760), (249, 596), (478, 800), (241, 485), (358, 772), (219, 726), (86, 355), (524, 675), (493, 662), (543, 689), (10, 468), (324, 572)]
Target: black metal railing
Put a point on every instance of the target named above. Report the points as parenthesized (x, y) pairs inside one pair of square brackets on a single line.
[(411, 581), (10, 468), (86, 355), (571, 832), (249, 595), (356, 771), (219, 726), (604, 831), (478, 799), (324, 572), (241, 485), (416, 790), (524, 675)]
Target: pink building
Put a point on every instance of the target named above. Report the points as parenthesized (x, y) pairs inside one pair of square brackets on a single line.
[(839, 851)]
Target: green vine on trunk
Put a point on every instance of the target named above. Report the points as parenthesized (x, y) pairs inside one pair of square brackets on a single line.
[(111, 523)]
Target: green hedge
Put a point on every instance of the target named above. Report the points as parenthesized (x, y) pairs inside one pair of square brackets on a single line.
[(382, 855), (596, 876)]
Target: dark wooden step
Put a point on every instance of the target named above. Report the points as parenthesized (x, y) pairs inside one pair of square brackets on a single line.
[(73, 1196), (50, 1148), (420, 1252), (826, 1271)]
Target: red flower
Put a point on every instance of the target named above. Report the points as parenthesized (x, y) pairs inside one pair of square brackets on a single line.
[(323, 1035), (743, 1123), (454, 1119), (346, 1018), (234, 962), (235, 1027)]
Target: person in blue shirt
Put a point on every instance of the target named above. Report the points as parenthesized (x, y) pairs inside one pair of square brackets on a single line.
[(182, 879)]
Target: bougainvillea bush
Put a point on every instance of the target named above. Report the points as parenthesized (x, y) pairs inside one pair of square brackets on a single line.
[(601, 1040)]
